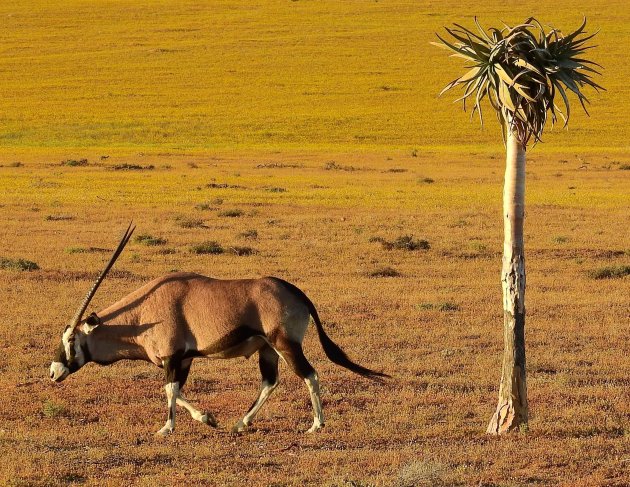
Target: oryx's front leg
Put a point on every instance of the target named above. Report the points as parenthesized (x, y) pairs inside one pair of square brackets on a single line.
[(171, 368), (172, 392)]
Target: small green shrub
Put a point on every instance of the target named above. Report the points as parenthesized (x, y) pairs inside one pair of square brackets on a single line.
[(58, 218), (560, 239), (74, 162), (208, 247), (250, 234), (231, 213), (150, 240), (132, 167), (52, 409), (384, 272), (17, 264), (625, 167), (241, 251), (190, 223), (612, 272), (406, 242), (205, 206), (85, 250)]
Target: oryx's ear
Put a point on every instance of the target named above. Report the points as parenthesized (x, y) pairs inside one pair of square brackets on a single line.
[(91, 323)]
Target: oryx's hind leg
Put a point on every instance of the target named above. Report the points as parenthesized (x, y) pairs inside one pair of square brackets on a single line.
[(268, 362), (182, 375), (292, 353)]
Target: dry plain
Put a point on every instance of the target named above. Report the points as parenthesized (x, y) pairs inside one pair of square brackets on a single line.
[(306, 131)]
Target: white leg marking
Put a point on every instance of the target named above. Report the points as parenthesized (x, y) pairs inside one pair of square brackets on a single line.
[(172, 391), (197, 415), (312, 382), (265, 392)]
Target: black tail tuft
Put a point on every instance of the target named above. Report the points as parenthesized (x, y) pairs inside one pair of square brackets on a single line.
[(331, 349)]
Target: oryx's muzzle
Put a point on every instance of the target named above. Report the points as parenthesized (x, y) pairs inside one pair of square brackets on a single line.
[(58, 371)]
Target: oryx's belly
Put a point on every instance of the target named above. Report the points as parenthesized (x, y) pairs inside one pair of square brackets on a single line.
[(246, 348)]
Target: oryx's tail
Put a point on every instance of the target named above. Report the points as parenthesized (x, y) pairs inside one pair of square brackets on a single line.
[(331, 349)]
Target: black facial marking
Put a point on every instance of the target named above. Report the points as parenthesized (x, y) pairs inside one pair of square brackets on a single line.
[(93, 319), (60, 355)]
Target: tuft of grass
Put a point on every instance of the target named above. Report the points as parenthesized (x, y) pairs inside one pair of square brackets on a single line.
[(150, 240), (625, 167), (85, 250), (384, 272), (207, 247), (560, 239), (205, 206), (241, 251), (426, 180), (166, 251), (405, 242), (132, 167), (17, 264), (420, 474), (333, 166), (275, 189), (53, 409), (74, 162), (610, 272), (190, 223), (58, 218), (445, 306), (250, 234), (397, 170), (231, 213), (15, 164)]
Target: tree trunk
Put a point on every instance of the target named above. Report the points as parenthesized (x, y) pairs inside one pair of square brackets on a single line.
[(511, 410)]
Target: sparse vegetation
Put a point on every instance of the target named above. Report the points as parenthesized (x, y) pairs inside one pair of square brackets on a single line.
[(231, 213), (241, 251), (85, 250), (208, 247), (150, 240), (52, 409), (190, 223), (384, 272), (132, 167), (293, 86), (610, 272), (405, 242), (250, 234), (17, 264), (59, 218), (74, 162)]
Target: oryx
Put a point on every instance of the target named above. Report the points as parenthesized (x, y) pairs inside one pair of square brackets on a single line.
[(178, 317)]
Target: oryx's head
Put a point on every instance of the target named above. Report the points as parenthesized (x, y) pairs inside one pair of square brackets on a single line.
[(72, 354)]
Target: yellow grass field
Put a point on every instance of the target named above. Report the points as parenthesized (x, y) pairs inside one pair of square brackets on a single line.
[(307, 131)]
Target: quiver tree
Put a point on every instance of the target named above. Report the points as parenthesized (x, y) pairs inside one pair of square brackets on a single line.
[(520, 71)]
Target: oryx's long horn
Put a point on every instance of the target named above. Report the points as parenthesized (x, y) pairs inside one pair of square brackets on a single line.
[(86, 301)]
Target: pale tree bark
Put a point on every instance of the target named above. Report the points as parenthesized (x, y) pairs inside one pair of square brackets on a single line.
[(512, 408)]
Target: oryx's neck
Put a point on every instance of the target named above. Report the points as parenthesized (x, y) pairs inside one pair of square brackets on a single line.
[(119, 335)]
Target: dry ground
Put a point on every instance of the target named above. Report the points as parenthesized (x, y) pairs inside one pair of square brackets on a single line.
[(309, 113), (437, 328)]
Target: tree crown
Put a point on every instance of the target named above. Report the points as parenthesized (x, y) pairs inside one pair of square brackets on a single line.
[(520, 70)]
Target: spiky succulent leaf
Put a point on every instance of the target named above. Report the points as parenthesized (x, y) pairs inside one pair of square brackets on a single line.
[(519, 70)]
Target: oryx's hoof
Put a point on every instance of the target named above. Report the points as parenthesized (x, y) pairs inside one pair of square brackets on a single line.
[(239, 427), (209, 419), (315, 427), (165, 431)]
